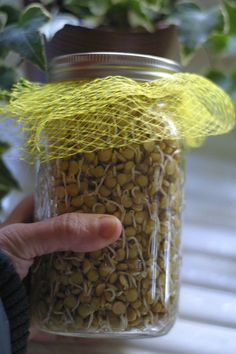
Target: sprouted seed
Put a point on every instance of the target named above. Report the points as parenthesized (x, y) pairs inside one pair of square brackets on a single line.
[(132, 284)]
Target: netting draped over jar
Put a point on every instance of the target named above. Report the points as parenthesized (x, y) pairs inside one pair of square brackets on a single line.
[(61, 119)]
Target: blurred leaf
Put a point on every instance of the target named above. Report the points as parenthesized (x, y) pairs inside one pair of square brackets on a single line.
[(8, 77), (2, 195), (99, 8), (155, 5), (222, 45), (3, 20), (92, 21), (139, 16), (117, 16), (24, 37), (7, 181), (138, 20), (196, 25), (227, 81), (47, 2), (15, 3), (230, 49), (80, 9), (230, 8), (217, 42), (3, 147), (219, 78), (119, 13), (12, 13), (34, 16)]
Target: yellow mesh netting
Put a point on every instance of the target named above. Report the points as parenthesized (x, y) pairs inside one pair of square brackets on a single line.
[(70, 117)]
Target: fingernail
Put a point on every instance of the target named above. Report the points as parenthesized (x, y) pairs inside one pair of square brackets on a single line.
[(109, 227)]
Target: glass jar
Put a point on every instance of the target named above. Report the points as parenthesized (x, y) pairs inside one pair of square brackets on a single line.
[(131, 287)]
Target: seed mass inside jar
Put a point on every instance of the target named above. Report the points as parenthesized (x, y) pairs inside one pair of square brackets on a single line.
[(133, 283)]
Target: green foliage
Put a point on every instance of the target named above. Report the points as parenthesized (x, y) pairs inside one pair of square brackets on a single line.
[(12, 13), (230, 9), (221, 47), (3, 19), (24, 38), (47, 2), (226, 80), (223, 43), (7, 181), (213, 28), (19, 33), (119, 13), (8, 77), (195, 25)]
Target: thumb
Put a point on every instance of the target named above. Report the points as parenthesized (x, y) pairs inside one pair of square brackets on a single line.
[(68, 232)]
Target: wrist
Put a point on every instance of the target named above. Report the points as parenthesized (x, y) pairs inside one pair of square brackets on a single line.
[(15, 303)]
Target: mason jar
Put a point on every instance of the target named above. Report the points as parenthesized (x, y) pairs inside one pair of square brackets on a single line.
[(130, 288)]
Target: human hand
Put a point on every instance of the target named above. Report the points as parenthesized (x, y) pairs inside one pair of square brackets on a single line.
[(22, 242)]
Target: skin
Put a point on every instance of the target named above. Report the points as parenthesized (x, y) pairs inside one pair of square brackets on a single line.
[(23, 240)]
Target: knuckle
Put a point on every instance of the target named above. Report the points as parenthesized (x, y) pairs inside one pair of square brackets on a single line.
[(67, 224)]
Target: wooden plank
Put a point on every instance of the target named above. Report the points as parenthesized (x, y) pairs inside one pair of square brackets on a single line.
[(208, 306), (189, 337), (209, 240), (210, 186), (209, 270)]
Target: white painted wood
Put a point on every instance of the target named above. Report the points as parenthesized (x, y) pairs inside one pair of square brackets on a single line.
[(209, 240), (189, 337), (208, 306), (208, 270)]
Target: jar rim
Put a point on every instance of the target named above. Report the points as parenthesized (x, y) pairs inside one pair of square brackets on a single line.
[(101, 64)]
